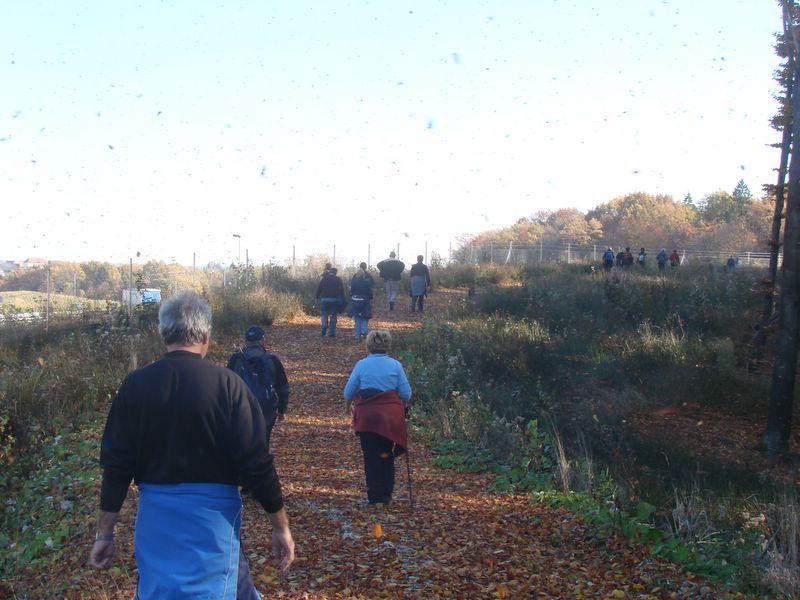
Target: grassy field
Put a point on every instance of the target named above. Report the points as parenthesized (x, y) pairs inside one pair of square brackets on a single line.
[(27, 302)]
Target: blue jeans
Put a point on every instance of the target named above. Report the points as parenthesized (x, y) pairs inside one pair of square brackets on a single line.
[(391, 290), (328, 309), (361, 325)]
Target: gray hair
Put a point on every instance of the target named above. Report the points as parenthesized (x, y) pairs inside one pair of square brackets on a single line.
[(184, 319), (379, 341)]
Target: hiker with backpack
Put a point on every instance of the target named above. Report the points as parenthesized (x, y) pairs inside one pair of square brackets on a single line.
[(264, 375), (641, 258), (661, 259), (361, 301), (608, 259), (376, 394)]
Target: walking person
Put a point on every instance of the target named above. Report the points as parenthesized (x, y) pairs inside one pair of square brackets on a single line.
[(375, 395), (264, 374), (627, 258), (661, 259), (420, 283), (674, 259), (391, 270), (361, 286), (641, 257), (608, 259), (330, 293), (187, 432)]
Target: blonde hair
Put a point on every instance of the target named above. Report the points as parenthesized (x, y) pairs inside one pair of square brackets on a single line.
[(379, 341)]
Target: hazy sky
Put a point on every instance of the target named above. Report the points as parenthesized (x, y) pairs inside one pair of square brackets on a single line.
[(166, 127)]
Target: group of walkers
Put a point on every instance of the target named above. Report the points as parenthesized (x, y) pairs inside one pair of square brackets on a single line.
[(331, 296), (190, 434), (624, 259)]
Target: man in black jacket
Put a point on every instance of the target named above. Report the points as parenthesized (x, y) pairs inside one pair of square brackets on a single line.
[(330, 293), (265, 376), (188, 432), (391, 270)]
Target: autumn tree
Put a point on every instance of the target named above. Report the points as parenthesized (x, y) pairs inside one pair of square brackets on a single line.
[(642, 219), (782, 122), (784, 371)]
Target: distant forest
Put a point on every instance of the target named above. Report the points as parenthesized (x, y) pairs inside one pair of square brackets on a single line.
[(725, 221)]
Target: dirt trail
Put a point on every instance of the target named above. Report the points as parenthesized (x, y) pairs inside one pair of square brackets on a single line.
[(460, 541)]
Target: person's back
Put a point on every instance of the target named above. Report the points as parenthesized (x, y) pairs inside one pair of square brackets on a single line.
[(330, 286), (264, 375), (330, 293), (362, 285), (187, 432), (391, 269)]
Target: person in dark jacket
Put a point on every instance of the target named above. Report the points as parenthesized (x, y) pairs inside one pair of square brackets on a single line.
[(275, 398), (391, 270), (661, 259), (420, 283), (330, 293), (375, 395), (188, 432), (361, 286)]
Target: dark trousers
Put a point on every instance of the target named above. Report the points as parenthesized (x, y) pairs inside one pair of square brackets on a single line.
[(378, 466), (270, 424), (416, 301)]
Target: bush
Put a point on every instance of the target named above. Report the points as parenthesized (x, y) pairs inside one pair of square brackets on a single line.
[(236, 309)]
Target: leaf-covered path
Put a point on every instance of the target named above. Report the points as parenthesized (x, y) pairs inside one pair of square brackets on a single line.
[(459, 541)]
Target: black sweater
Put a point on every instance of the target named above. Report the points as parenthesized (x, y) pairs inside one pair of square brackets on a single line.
[(182, 419)]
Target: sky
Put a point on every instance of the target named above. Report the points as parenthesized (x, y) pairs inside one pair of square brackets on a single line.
[(160, 130)]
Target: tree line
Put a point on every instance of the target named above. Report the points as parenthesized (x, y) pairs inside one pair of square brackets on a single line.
[(725, 221)]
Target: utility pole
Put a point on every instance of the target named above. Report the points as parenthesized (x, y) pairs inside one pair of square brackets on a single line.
[(239, 257), (246, 266), (130, 291), (47, 310)]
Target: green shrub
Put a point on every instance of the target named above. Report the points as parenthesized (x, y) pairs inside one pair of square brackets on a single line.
[(236, 309)]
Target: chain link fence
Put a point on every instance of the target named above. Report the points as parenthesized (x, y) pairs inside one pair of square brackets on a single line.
[(520, 254)]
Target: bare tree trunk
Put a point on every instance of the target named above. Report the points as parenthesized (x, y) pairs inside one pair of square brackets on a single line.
[(777, 216), (779, 419)]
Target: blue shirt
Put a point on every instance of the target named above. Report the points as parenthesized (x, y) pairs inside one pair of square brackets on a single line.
[(378, 372)]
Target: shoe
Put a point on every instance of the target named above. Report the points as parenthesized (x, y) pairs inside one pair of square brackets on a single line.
[(323, 333), (331, 335), (391, 305)]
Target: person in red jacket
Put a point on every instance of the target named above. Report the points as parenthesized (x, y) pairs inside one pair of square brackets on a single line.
[(674, 259)]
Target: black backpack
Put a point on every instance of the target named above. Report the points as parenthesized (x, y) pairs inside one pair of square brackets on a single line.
[(255, 370)]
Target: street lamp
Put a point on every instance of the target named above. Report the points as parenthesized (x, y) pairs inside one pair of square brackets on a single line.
[(238, 237)]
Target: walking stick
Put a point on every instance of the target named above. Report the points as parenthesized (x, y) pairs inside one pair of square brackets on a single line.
[(408, 469)]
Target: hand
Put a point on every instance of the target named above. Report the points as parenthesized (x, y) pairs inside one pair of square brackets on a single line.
[(282, 548), (102, 553), (281, 418)]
